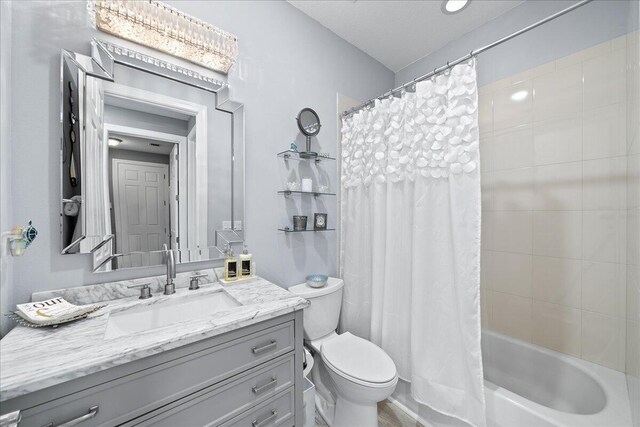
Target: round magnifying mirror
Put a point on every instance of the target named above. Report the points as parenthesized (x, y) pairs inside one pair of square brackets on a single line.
[(309, 125), (308, 122)]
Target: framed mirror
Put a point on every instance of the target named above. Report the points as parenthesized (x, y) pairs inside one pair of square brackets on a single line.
[(309, 124), (160, 161)]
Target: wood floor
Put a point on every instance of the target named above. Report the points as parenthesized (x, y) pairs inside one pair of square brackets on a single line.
[(389, 415)]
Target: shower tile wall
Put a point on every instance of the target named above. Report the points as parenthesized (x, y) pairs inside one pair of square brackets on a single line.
[(554, 204), (633, 217)]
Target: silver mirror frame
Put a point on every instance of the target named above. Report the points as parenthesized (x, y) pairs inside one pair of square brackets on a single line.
[(101, 65), (85, 66)]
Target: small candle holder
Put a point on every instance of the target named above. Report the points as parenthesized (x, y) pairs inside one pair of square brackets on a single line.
[(299, 222)]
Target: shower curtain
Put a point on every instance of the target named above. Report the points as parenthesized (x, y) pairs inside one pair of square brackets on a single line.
[(410, 238)]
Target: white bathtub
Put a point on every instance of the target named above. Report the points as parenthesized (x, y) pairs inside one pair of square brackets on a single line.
[(530, 386)]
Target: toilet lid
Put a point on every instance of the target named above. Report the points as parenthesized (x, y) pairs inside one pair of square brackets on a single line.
[(358, 358)]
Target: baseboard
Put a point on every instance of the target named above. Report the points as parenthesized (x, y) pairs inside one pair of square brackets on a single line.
[(409, 412)]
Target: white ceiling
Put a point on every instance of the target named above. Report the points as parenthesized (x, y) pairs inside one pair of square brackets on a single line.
[(399, 32), (143, 145)]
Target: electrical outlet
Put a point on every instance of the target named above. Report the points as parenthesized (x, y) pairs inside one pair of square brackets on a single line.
[(226, 225), (237, 225)]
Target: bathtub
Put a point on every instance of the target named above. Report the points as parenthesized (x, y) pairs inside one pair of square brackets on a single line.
[(530, 386)]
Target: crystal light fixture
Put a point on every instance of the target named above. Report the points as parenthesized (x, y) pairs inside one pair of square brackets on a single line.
[(162, 27)]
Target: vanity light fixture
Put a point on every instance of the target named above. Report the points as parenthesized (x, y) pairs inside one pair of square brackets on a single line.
[(164, 28), (114, 142), (520, 95), (454, 6)]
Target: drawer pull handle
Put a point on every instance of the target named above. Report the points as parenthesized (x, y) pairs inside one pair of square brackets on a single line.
[(259, 390), (267, 347), (93, 411), (272, 417)]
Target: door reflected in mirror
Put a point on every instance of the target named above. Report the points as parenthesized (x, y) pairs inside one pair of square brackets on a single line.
[(144, 144), (161, 164), (152, 177), (143, 177)]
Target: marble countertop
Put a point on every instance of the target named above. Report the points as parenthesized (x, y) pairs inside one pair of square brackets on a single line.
[(79, 348)]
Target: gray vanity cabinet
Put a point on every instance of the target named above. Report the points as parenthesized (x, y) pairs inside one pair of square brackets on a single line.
[(251, 376)]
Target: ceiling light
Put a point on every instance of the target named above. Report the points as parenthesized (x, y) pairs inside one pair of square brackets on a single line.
[(520, 95), (454, 6), (114, 142)]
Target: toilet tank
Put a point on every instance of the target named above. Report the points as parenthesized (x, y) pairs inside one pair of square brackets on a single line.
[(322, 315)]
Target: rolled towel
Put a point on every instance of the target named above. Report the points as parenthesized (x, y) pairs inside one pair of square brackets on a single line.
[(72, 208)]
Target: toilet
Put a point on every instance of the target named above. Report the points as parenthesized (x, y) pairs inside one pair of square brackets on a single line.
[(351, 374)]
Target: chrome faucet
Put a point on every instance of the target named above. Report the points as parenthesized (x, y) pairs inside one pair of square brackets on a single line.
[(169, 286)]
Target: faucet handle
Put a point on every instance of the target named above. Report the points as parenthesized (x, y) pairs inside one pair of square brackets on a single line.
[(195, 280), (145, 291)]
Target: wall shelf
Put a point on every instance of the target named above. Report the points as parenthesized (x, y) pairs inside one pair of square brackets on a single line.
[(309, 157), (314, 193), (291, 230), (294, 155)]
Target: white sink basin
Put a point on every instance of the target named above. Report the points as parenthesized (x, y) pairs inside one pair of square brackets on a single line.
[(165, 313)]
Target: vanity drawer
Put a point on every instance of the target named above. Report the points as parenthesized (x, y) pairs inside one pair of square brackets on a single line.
[(279, 411), (214, 406), (157, 385)]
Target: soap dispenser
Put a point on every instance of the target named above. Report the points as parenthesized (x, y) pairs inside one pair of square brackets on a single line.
[(230, 265), (246, 267)]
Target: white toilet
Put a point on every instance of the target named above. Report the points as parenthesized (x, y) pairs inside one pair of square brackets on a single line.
[(351, 374)]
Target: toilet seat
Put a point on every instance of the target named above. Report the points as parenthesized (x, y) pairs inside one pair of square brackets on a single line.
[(359, 361)]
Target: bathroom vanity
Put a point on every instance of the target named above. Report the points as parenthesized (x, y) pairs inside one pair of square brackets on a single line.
[(240, 363)]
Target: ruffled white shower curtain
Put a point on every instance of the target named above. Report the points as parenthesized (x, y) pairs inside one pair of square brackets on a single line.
[(411, 238)]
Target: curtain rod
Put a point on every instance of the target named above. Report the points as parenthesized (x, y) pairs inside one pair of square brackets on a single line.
[(468, 56)]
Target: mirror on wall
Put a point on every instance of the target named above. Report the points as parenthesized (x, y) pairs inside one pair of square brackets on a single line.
[(156, 160)]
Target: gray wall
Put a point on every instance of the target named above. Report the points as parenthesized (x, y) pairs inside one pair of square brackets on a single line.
[(287, 61), (589, 25), (6, 223)]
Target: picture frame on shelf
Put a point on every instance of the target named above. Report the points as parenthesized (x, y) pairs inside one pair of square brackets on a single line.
[(320, 221)]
